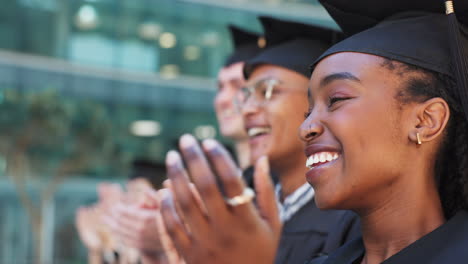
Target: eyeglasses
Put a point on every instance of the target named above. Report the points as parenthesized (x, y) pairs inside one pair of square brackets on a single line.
[(261, 92)]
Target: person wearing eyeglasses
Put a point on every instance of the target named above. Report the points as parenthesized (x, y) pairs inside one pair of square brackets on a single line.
[(273, 104)]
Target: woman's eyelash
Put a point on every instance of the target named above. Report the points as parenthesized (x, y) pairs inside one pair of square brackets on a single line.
[(333, 100)]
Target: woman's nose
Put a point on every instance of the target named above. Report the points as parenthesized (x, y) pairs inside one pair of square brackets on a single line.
[(311, 128)]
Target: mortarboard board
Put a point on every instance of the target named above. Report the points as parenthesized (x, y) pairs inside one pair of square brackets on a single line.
[(246, 45), (418, 32), (291, 45), (356, 16)]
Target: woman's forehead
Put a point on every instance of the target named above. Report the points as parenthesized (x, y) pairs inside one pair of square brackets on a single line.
[(345, 63)]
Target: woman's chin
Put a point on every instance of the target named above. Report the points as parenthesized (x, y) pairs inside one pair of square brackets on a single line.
[(326, 202)]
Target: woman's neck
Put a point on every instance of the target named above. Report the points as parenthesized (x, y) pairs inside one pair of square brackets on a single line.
[(405, 216), (291, 175)]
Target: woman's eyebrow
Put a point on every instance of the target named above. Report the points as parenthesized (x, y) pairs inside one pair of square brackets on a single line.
[(339, 76)]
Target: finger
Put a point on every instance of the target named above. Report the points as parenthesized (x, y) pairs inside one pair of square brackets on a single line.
[(176, 205), (173, 224), (167, 184), (183, 196), (110, 223), (230, 176), (133, 222), (198, 199), (150, 200), (266, 197), (227, 171), (109, 191), (166, 241), (202, 176)]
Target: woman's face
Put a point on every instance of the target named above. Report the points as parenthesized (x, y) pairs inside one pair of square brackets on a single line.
[(356, 132), (272, 123)]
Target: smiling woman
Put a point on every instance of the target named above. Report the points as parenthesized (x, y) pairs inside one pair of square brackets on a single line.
[(347, 118), (393, 117)]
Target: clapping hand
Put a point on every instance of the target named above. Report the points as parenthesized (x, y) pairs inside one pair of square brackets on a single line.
[(219, 226)]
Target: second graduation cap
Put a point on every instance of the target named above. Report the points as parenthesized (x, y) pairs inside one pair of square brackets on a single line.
[(291, 45), (246, 45)]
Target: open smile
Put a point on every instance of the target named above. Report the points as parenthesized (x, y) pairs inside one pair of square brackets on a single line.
[(258, 131), (321, 158)]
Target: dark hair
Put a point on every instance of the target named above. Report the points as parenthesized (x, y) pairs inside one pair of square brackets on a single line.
[(452, 158), (154, 172)]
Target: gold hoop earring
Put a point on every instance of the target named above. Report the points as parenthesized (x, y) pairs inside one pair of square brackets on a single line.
[(418, 138)]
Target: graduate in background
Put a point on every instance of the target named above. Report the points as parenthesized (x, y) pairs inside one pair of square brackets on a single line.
[(272, 103), (230, 81)]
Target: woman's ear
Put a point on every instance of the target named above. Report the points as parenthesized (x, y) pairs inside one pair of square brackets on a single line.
[(432, 118)]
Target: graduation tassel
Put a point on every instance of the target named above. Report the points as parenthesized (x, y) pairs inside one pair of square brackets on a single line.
[(458, 56)]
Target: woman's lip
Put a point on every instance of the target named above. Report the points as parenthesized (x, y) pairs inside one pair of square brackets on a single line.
[(316, 148), (313, 174)]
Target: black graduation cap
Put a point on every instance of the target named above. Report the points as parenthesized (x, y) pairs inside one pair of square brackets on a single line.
[(424, 33), (356, 16), (291, 45), (246, 45)]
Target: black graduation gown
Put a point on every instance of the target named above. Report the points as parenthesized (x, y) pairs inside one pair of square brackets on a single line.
[(448, 244), (306, 235), (248, 175)]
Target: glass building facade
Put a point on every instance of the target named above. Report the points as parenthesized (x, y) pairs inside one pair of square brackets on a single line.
[(88, 86)]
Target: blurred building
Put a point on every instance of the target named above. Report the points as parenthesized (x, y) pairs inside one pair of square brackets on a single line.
[(88, 85)]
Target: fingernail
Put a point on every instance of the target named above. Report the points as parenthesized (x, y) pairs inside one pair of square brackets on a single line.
[(172, 158), (164, 194), (166, 197), (187, 141), (209, 144)]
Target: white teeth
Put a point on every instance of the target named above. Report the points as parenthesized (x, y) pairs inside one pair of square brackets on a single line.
[(320, 158), (323, 156), (254, 131), (316, 159), (309, 161)]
